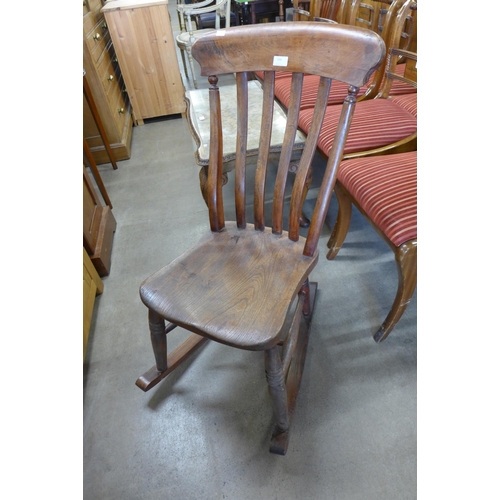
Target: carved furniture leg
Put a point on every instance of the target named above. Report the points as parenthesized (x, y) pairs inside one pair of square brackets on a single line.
[(406, 260), (165, 364), (341, 225), (158, 339)]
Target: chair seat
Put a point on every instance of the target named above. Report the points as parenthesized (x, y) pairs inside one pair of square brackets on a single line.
[(184, 38), (234, 286), (386, 189), (376, 123)]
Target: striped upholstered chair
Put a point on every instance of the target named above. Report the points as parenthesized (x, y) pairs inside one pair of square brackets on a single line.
[(384, 189), (378, 16), (386, 123)]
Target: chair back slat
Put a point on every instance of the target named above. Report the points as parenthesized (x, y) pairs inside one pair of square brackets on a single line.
[(241, 149), (328, 183), (307, 156), (264, 149), (286, 152), (214, 185), (345, 53)]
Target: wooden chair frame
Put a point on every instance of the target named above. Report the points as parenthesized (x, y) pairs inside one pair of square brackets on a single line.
[(244, 284)]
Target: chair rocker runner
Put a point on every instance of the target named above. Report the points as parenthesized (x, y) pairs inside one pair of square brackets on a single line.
[(246, 284)]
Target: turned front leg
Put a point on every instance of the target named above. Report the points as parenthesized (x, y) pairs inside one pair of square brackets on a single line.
[(158, 339), (277, 389)]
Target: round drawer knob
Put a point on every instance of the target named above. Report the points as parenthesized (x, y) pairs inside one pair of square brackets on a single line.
[(110, 78), (97, 36), (121, 111)]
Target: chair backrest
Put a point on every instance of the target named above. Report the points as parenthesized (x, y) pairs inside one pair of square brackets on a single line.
[(397, 31), (332, 11), (401, 47), (344, 53)]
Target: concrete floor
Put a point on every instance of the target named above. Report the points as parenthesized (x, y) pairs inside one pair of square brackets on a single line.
[(203, 433)]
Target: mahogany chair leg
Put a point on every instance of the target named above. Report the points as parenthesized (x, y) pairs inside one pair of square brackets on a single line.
[(406, 260), (339, 232)]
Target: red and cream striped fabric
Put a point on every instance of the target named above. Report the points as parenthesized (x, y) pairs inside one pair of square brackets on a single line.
[(386, 189), (408, 102), (338, 91), (376, 123)]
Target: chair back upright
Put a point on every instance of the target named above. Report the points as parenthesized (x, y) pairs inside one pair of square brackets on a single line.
[(334, 52)]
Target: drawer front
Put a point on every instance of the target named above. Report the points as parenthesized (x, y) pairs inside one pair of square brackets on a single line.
[(97, 40), (109, 76), (119, 105), (102, 64)]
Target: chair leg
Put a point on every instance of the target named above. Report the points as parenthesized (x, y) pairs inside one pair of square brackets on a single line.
[(284, 390), (158, 339), (277, 389), (406, 260), (165, 364), (342, 223), (183, 56)]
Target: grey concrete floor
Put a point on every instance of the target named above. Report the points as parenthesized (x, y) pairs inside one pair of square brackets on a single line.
[(203, 433)]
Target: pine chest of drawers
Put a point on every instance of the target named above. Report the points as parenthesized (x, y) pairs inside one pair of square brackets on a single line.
[(144, 43)]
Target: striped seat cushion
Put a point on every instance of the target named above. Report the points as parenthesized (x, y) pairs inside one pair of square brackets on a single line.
[(407, 101), (376, 123), (386, 189), (338, 91)]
